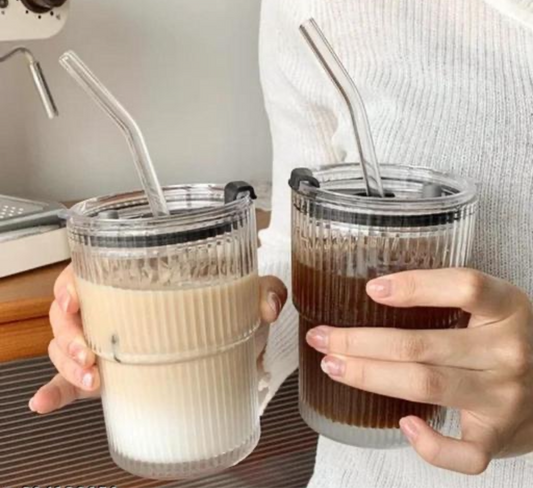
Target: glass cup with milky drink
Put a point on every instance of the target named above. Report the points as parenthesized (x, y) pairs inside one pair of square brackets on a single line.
[(170, 306), (341, 239)]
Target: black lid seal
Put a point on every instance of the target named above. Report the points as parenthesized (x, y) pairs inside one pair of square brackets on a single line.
[(236, 190), (302, 175), (352, 216), (233, 191)]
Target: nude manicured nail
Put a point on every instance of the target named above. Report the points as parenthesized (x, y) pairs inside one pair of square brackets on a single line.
[(274, 303), (63, 300), (380, 288), (88, 380), (409, 428), (318, 338), (78, 351), (333, 366)]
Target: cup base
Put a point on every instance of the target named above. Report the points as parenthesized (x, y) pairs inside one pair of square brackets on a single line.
[(190, 469), (350, 435)]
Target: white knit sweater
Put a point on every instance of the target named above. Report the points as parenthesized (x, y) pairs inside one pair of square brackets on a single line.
[(447, 84)]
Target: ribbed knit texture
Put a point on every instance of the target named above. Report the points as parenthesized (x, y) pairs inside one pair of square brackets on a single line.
[(447, 84), (520, 10)]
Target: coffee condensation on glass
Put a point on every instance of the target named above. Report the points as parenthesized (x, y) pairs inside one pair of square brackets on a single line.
[(341, 239)]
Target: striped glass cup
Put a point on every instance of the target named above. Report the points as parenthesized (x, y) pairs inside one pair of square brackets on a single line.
[(341, 239), (170, 306)]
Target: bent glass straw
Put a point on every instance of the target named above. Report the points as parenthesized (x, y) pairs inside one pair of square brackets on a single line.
[(341, 79), (112, 107)]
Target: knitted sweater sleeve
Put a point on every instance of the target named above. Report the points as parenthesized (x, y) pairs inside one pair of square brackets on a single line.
[(520, 10)]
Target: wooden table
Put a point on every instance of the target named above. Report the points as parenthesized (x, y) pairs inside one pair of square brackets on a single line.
[(24, 303)]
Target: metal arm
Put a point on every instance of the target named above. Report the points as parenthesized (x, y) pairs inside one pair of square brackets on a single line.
[(38, 79)]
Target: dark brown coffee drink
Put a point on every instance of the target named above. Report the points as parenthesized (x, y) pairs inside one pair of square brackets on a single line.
[(324, 298), (341, 239)]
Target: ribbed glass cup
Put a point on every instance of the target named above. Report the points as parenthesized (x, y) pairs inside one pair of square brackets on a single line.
[(170, 306), (341, 239)]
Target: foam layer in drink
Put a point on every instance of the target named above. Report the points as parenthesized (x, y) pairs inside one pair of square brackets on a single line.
[(201, 402)]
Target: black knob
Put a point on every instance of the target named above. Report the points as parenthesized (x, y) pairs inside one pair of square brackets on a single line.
[(42, 6)]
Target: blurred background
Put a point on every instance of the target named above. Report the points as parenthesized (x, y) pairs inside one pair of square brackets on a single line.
[(187, 70)]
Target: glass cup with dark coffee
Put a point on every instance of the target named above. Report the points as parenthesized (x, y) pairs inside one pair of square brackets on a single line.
[(341, 239)]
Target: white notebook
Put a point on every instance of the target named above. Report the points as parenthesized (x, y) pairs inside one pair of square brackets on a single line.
[(26, 249)]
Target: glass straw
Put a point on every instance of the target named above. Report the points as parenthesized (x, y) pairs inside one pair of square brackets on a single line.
[(112, 107), (341, 79)]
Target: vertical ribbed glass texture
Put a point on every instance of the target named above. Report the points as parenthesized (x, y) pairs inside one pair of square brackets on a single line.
[(170, 306), (341, 240)]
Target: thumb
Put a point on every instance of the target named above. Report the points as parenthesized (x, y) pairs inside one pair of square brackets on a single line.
[(469, 455), (273, 297)]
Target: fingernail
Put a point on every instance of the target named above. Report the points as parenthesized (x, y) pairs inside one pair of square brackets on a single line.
[(87, 380), (264, 381), (31, 405), (78, 351), (409, 428), (63, 300), (380, 288), (333, 366), (274, 303), (318, 338)]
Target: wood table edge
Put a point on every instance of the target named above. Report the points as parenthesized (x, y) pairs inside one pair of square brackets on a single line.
[(25, 339), (24, 310)]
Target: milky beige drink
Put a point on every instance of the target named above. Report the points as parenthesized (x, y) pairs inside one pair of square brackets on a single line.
[(170, 306), (197, 408)]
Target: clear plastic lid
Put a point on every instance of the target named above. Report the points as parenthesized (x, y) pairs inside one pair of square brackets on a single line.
[(198, 212), (415, 196)]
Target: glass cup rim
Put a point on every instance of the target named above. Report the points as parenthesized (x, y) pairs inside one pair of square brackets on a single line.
[(83, 215), (464, 189)]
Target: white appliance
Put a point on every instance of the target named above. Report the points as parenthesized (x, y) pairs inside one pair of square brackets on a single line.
[(32, 19), (31, 233)]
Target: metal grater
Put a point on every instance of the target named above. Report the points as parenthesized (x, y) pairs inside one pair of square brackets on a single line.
[(19, 213)]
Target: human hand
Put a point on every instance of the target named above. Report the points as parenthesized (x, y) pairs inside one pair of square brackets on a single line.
[(485, 370), (78, 375)]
